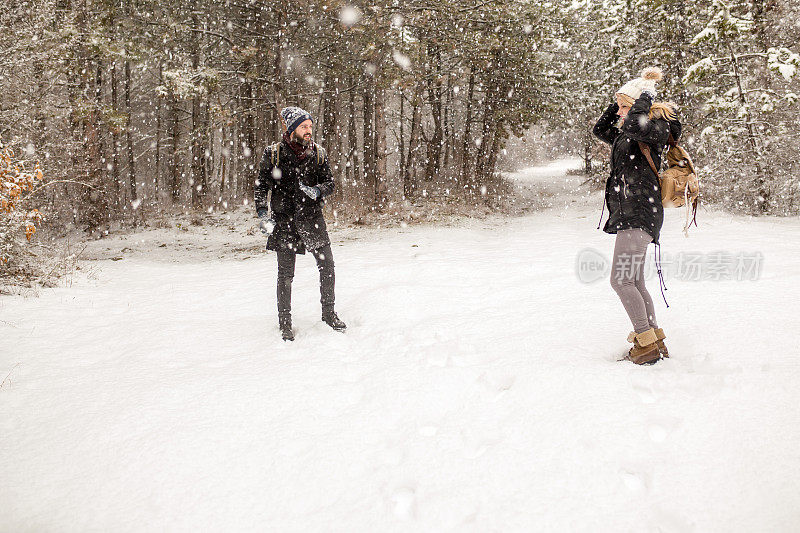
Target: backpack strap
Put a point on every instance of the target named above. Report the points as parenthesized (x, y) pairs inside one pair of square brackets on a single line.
[(646, 151), (671, 141), (275, 154)]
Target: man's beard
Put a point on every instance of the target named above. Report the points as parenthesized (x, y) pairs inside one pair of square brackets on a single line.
[(301, 140)]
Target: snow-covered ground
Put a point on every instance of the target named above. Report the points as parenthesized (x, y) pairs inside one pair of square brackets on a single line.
[(476, 389)]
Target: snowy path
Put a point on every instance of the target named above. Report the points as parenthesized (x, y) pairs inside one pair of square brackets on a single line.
[(476, 390)]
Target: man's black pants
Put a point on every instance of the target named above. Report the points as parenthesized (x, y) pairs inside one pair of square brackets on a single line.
[(327, 279)]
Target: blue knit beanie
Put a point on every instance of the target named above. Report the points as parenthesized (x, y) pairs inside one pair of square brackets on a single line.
[(293, 117)]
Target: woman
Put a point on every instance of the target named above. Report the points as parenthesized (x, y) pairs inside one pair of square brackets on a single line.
[(633, 197)]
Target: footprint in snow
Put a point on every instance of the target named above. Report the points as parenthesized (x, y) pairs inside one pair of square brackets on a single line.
[(657, 433), (392, 456), (670, 521), (478, 439), (352, 374), (428, 431), (403, 503), (496, 383), (439, 359), (646, 393), (634, 481), (355, 395), (350, 356), (661, 428), (216, 364)]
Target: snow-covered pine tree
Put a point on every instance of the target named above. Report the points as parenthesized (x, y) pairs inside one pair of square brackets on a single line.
[(747, 85)]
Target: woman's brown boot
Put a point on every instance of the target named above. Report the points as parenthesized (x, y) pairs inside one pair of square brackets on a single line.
[(645, 349), (662, 348)]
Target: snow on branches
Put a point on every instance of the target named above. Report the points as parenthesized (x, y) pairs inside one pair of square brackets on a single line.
[(187, 83), (783, 61)]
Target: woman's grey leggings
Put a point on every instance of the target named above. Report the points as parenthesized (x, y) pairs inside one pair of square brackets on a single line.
[(627, 277)]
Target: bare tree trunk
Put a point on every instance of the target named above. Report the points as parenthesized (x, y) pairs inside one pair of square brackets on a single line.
[(235, 183), (157, 175), (587, 152), (245, 138), (435, 142), (129, 134), (199, 180), (330, 122), (98, 197), (337, 148), (761, 23), (760, 178), (352, 137), (467, 141), (115, 139), (497, 140), (208, 150), (369, 138), (447, 107), (175, 189), (410, 181), (223, 164), (485, 139), (277, 76), (196, 169), (401, 141), (380, 142), (761, 26), (331, 133)]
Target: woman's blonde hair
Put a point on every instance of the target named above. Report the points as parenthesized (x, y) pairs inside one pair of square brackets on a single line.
[(665, 110)]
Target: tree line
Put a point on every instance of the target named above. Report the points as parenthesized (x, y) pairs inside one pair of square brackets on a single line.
[(136, 107)]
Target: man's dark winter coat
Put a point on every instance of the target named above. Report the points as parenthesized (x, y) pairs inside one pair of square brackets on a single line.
[(633, 191), (300, 225)]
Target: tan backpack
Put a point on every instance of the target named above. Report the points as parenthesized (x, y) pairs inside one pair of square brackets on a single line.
[(680, 186)]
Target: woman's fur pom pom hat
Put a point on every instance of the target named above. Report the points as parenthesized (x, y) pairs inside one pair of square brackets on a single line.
[(647, 80)]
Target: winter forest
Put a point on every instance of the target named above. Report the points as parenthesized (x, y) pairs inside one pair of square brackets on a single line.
[(133, 108), (170, 355)]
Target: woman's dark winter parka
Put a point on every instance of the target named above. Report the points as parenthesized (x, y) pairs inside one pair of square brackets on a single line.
[(633, 192)]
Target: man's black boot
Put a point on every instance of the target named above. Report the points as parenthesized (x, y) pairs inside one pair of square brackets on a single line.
[(330, 318), (285, 324)]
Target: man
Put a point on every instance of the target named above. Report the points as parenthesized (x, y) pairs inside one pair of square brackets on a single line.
[(296, 171)]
